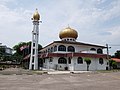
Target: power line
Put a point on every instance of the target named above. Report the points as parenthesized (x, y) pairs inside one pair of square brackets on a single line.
[(114, 45)]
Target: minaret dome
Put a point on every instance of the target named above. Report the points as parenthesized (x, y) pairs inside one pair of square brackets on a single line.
[(36, 15)]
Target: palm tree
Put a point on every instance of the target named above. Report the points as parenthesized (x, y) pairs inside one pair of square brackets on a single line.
[(88, 62)]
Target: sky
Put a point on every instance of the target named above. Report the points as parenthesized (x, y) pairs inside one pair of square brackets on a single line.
[(96, 21)]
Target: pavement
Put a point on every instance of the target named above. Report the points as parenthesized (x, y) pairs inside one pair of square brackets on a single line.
[(68, 72), (20, 71)]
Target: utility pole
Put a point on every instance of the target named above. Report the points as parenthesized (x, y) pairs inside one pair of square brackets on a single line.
[(108, 58), (107, 51)]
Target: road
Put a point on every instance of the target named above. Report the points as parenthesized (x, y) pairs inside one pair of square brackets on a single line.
[(85, 81)]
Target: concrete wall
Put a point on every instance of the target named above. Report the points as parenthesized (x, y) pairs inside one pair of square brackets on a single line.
[(74, 66), (78, 48)]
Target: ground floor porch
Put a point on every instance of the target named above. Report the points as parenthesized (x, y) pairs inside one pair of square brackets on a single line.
[(70, 61), (74, 64)]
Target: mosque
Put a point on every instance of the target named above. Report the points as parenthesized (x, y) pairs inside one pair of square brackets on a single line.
[(68, 53)]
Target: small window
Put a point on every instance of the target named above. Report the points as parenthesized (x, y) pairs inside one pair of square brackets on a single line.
[(55, 48), (101, 61), (107, 63), (99, 51), (69, 60), (61, 48), (64, 40), (62, 60), (93, 49), (33, 51), (51, 50), (33, 44), (48, 49), (71, 49), (80, 60), (32, 59), (51, 60)]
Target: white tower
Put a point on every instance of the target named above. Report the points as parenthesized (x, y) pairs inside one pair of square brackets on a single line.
[(34, 45)]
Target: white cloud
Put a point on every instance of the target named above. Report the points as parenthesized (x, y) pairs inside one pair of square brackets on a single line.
[(88, 17), (115, 33), (13, 24)]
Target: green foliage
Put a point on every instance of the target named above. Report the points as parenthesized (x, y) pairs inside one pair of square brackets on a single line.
[(117, 54), (113, 64), (17, 47), (20, 54), (88, 61), (2, 50), (17, 58)]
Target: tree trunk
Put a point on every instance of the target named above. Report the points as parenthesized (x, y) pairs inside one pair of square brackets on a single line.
[(87, 67)]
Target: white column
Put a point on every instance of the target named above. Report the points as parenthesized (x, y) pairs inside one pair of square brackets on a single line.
[(72, 64), (34, 46)]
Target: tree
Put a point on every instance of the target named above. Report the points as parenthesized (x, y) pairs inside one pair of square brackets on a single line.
[(116, 54), (113, 64), (22, 49), (88, 62)]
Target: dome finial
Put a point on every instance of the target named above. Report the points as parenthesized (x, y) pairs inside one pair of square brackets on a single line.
[(68, 26), (36, 10)]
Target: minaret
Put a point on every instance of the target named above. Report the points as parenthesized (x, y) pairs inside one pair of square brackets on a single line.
[(33, 65)]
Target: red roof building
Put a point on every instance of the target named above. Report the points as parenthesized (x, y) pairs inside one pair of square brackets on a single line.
[(116, 59)]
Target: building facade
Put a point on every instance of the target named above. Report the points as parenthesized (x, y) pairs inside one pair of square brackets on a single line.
[(5, 50), (68, 54)]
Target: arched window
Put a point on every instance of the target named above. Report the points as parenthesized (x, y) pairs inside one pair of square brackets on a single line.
[(61, 48), (101, 61), (71, 49), (99, 51), (80, 60), (62, 60), (51, 50), (93, 49), (48, 50), (55, 48)]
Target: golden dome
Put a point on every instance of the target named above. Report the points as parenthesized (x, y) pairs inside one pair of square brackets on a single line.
[(36, 15), (68, 33)]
